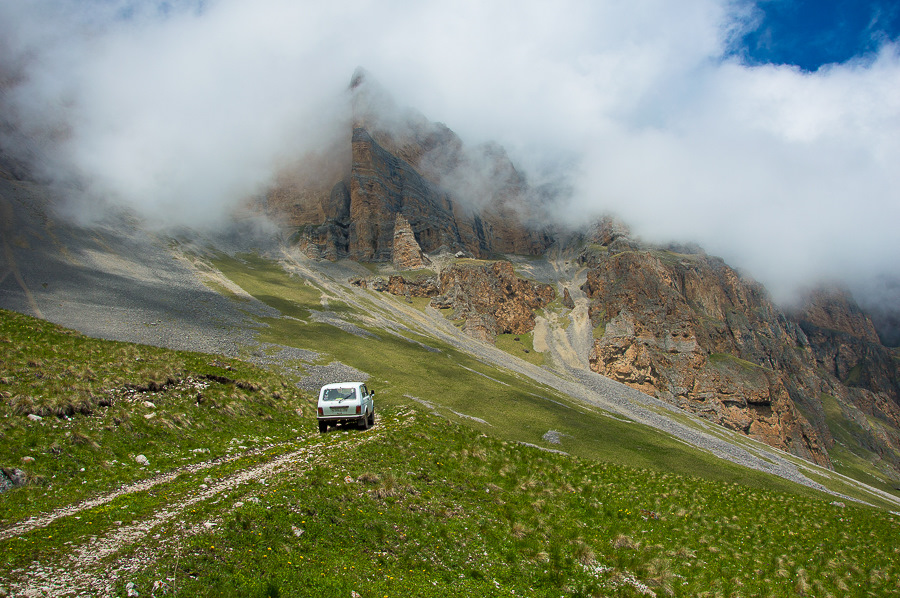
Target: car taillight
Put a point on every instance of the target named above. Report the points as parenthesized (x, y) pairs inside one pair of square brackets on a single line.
[(321, 411), (358, 409)]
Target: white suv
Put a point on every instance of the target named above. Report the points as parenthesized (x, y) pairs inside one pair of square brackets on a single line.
[(345, 402)]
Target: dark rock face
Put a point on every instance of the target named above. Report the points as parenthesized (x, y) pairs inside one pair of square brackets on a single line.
[(834, 309), (381, 186), (846, 346), (453, 198), (857, 370)]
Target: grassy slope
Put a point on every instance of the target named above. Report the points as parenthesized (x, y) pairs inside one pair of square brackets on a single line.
[(94, 398), (515, 408), (423, 506), (848, 455), (430, 508)]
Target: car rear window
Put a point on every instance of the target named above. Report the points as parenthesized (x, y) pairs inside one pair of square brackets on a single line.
[(335, 394)]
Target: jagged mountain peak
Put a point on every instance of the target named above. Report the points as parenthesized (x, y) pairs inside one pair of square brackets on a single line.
[(454, 197)]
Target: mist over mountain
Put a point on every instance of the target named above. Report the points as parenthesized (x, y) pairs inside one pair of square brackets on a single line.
[(564, 212), (181, 110)]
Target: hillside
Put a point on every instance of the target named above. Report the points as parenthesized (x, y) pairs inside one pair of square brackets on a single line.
[(345, 202), (599, 415), (170, 473), (672, 322), (711, 343)]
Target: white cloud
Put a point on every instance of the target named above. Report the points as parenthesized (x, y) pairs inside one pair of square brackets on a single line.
[(788, 174)]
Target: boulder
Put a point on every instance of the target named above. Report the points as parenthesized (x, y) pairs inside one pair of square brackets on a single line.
[(12, 478)]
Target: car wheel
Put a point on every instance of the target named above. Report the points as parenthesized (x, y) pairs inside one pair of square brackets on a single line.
[(323, 427), (372, 418), (364, 423)]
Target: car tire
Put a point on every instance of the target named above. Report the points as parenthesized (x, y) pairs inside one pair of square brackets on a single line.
[(323, 427), (372, 418), (364, 423)]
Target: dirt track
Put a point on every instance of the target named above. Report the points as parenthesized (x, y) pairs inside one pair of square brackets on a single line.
[(96, 566)]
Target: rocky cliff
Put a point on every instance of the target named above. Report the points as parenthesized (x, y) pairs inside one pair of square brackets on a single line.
[(860, 376), (489, 298), (672, 322), (686, 328), (453, 198)]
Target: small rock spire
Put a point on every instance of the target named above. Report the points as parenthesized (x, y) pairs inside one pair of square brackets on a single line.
[(407, 254)]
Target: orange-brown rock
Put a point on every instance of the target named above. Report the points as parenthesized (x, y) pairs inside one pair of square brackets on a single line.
[(407, 255), (492, 297), (689, 330), (424, 286), (833, 308), (856, 371), (400, 164)]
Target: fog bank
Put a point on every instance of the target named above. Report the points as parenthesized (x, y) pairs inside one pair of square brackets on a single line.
[(180, 110)]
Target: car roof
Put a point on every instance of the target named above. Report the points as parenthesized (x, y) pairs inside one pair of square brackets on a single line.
[(342, 384)]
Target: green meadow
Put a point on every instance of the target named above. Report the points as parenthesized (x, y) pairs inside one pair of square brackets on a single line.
[(450, 494)]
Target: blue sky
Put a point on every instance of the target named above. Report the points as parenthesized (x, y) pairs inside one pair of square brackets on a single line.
[(811, 33)]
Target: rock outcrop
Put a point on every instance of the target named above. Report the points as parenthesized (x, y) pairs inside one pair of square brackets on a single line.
[(423, 286), (453, 198), (687, 329), (833, 308), (406, 254), (860, 376), (490, 299)]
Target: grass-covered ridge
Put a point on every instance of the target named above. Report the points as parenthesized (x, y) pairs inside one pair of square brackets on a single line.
[(242, 497)]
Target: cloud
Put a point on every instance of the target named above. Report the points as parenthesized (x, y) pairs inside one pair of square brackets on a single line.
[(642, 108), (177, 113)]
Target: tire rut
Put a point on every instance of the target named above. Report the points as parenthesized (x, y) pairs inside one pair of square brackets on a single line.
[(92, 568)]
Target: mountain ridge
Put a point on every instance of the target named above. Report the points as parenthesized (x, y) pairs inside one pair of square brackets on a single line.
[(671, 321)]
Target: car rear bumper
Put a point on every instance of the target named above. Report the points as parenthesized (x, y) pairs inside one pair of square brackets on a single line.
[(341, 418)]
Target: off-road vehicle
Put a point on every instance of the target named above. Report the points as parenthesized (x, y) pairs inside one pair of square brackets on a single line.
[(345, 402)]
